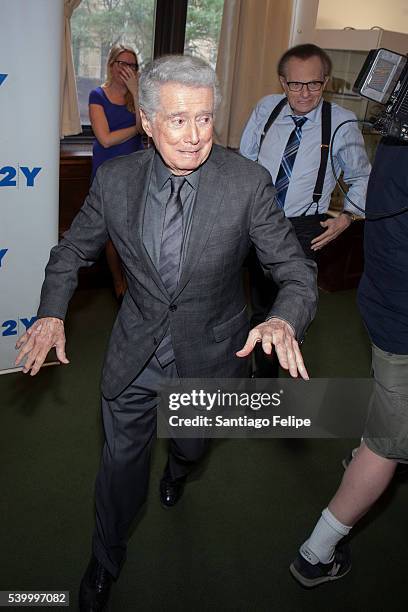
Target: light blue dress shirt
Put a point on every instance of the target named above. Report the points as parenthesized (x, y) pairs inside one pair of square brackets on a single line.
[(349, 155)]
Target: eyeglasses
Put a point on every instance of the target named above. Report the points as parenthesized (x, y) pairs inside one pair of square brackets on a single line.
[(311, 85), (133, 67)]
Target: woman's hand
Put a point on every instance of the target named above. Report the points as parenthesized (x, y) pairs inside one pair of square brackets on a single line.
[(130, 78)]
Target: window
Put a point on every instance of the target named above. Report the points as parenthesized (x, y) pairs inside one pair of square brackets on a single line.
[(96, 25), (203, 29)]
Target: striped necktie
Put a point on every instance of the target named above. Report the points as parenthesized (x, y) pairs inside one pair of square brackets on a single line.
[(288, 160), (170, 256)]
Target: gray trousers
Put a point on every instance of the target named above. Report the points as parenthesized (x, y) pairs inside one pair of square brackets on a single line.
[(122, 481)]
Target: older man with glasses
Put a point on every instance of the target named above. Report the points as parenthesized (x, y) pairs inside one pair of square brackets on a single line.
[(290, 135)]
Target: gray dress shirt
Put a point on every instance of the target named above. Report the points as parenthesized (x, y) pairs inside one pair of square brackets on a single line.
[(158, 194)]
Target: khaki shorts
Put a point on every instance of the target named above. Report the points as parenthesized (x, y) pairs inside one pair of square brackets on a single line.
[(386, 431)]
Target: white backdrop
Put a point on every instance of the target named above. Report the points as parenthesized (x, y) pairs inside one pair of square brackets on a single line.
[(30, 54)]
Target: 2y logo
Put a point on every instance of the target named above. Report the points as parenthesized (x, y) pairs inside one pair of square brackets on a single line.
[(13, 328), (10, 176), (2, 254)]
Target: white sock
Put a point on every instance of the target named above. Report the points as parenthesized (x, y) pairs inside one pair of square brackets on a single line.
[(324, 539)]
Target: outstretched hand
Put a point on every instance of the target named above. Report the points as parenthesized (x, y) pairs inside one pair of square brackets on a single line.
[(279, 334), (38, 340)]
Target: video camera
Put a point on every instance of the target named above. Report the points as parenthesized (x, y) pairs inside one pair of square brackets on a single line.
[(384, 79)]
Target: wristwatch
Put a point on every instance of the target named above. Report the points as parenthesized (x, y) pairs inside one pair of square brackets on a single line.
[(350, 215)]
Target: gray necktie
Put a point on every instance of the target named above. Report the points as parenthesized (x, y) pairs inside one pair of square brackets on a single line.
[(170, 256), (172, 237)]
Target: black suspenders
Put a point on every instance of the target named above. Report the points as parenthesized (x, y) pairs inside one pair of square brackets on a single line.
[(271, 119), (324, 147), (324, 152)]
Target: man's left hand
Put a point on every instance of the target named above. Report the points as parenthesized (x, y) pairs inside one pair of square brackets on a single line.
[(334, 228), (279, 334)]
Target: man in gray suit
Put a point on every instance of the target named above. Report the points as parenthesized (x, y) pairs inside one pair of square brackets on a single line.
[(182, 216)]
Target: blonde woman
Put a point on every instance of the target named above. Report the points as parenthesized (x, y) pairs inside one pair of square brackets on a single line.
[(115, 120)]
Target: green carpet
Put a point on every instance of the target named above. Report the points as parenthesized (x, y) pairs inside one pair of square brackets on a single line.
[(228, 543)]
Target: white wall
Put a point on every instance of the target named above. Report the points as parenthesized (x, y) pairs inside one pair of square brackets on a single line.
[(363, 14), (30, 58)]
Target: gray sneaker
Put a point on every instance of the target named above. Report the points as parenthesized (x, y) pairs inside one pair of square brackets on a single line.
[(309, 575)]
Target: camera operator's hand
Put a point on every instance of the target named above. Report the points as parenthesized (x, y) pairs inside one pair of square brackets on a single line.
[(334, 228)]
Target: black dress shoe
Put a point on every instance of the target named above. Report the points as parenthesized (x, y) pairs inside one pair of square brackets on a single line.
[(95, 587), (171, 491)]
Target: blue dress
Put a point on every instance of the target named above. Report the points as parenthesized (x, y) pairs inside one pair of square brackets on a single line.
[(118, 117)]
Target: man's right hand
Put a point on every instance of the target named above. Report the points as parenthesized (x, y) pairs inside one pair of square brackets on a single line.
[(38, 340)]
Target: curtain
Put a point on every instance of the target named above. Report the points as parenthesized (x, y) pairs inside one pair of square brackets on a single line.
[(70, 119), (254, 34)]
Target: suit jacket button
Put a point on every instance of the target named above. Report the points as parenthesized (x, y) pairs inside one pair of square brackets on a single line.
[(154, 341), (173, 307)]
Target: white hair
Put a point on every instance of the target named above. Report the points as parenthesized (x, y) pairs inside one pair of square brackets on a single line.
[(183, 69)]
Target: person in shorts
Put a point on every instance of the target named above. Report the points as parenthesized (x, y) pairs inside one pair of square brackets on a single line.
[(383, 303)]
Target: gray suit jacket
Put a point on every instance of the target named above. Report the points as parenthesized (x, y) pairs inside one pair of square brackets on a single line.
[(234, 208)]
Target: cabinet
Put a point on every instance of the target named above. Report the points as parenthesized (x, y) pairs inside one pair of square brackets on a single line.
[(348, 50), (75, 174), (341, 262)]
